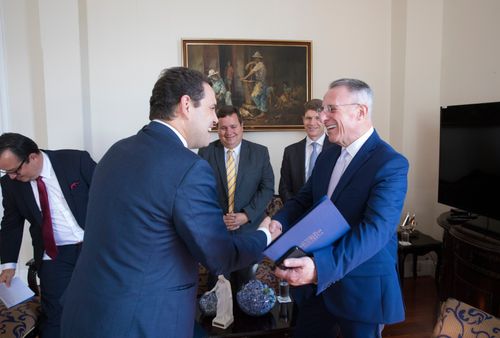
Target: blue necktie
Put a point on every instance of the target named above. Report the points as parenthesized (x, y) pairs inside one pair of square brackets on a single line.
[(312, 159)]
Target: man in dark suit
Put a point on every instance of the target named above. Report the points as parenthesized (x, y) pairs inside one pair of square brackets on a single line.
[(299, 158), (252, 181), (153, 215), (354, 282), (49, 189), (254, 175)]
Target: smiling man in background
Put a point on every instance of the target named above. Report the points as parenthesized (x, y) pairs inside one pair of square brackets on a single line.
[(244, 176), (299, 158)]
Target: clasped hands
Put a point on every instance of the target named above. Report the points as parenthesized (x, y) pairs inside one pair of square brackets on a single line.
[(298, 271), (235, 220)]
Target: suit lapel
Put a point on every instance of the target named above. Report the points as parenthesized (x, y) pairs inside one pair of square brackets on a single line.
[(326, 175), (60, 172), (301, 155), (244, 162), (361, 157), (29, 197), (221, 165)]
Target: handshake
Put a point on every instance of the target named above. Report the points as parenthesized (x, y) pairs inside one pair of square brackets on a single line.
[(273, 226)]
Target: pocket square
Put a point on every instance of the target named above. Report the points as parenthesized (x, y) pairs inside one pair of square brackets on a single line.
[(74, 185)]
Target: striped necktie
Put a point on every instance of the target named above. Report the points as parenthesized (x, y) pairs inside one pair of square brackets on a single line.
[(231, 179)]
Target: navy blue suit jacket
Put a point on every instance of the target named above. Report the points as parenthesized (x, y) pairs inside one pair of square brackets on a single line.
[(254, 180), (293, 172), (74, 169), (153, 215), (357, 275)]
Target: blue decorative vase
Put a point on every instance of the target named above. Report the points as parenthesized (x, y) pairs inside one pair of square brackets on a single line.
[(256, 298), (208, 304)]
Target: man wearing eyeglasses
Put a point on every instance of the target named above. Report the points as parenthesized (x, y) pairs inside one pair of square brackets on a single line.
[(352, 283), (49, 189), (299, 158)]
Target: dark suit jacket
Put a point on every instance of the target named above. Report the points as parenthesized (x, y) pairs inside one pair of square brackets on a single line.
[(293, 175), (153, 215), (74, 170), (254, 180), (357, 276)]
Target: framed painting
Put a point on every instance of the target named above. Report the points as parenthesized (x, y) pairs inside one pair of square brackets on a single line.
[(269, 81)]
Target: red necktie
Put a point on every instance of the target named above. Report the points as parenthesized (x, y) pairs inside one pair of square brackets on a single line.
[(47, 232)]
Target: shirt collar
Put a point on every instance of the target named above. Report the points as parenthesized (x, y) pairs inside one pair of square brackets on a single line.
[(320, 140), (183, 140), (46, 166), (354, 147), (236, 150)]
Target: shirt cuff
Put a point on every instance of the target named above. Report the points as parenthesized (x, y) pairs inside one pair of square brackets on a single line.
[(268, 235), (8, 266)]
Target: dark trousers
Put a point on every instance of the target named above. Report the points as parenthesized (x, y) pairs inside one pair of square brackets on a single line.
[(54, 278), (315, 321)]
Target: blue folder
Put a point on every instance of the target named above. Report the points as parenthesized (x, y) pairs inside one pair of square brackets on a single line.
[(321, 226)]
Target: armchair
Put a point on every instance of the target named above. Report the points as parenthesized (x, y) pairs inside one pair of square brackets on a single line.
[(21, 321)]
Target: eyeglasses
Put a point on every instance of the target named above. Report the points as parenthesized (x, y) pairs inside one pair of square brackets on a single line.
[(13, 171), (331, 108)]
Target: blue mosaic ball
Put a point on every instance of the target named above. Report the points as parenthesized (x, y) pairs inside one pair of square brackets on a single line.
[(256, 298), (208, 303)]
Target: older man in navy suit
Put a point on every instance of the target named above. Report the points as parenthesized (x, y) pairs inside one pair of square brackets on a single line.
[(352, 283), (49, 189), (153, 215)]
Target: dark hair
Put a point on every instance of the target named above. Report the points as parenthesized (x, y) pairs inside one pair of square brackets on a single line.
[(225, 111), (18, 144), (171, 86), (314, 104)]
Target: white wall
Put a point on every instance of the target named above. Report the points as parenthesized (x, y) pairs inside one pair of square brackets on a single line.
[(79, 73)]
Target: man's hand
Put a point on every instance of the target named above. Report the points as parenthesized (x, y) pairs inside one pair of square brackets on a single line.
[(7, 275), (300, 271), (275, 228), (234, 220)]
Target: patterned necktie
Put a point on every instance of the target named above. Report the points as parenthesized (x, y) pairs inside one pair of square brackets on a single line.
[(47, 231), (312, 159), (338, 170), (231, 180)]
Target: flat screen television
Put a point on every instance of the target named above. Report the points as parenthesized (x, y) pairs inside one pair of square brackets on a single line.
[(469, 158)]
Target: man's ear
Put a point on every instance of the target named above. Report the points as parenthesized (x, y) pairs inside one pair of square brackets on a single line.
[(363, 112), (184, 106)]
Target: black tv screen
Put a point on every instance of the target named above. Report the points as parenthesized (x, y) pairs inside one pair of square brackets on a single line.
[(469, 158)]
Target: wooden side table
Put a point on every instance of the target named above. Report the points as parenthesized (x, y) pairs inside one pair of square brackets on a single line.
[(421, 244)]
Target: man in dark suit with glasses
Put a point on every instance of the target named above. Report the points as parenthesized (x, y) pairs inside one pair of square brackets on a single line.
[(49, 189)]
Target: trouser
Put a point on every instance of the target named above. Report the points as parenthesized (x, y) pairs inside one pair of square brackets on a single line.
[(315, 321), (54, 278)]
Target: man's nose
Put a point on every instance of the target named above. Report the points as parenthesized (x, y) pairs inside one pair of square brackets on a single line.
[(322, 116)]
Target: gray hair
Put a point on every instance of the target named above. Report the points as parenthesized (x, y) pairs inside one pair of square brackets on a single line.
[(362, 91)]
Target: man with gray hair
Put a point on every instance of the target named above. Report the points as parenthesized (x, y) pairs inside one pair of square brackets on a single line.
[(353, 283)]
